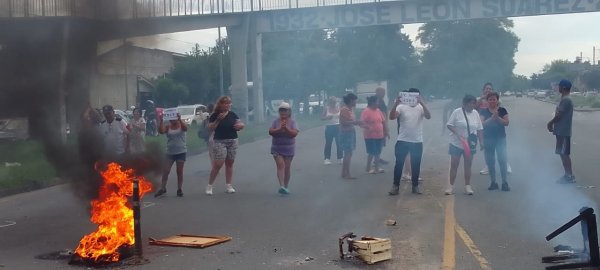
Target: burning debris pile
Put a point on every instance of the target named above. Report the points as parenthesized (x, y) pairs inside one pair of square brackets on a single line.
[(115, 218)]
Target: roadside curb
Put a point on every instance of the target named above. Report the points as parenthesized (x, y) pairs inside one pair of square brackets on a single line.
[(575, 109)]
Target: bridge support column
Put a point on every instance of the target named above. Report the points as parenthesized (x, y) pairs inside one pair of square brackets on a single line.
[(257, 87), (238, 36)]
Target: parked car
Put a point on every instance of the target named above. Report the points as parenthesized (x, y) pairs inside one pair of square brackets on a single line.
[(531, 94), (540, 94), (519, 94), (192, 114), (508, 93), (123, 115)]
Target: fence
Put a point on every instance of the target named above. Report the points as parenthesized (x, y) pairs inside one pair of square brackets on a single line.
[(131, 9)]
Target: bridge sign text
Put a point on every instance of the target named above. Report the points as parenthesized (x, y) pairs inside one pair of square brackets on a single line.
[(405, 12)]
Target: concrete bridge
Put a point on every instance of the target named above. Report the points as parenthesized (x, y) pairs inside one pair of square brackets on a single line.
[(47, 47)]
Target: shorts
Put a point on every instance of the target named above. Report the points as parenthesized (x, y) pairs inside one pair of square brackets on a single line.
[(224, 149), (563, 145), (456, 151), (347, 141), (374, 146), (177, 157), (275, 155)]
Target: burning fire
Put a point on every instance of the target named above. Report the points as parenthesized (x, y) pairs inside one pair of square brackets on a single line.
[(113, 214)]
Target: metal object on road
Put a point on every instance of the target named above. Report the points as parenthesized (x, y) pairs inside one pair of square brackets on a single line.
[(589, 256), (137, 227)]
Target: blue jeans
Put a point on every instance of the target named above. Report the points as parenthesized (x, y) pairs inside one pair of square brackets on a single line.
[(332, 133), (493, 147)]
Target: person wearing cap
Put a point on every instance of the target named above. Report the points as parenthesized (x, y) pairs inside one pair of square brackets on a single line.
[(284, 132), (114, 132), (561, 126)]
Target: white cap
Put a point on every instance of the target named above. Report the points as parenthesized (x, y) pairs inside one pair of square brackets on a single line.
[(284, 105)]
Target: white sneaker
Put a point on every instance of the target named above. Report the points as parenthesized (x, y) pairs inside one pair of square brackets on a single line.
[(468, 190), (449, 190), (484, 171), (230, 189), (209, 190), (372, 171), (327, 162), (509, 169)]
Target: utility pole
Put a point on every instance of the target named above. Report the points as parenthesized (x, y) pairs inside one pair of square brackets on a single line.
[(220, 49), (126, 71), (594, 57)]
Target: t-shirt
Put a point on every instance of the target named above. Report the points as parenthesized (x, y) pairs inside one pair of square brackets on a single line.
[(176, 141), (283, 144), (373, 123), (410, 121), (225, 130), (458, 121), (114, 134), (562, 127), (493, 129)]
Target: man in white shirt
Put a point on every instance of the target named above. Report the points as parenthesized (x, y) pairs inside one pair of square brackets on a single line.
[(410, 139), (114, 131)]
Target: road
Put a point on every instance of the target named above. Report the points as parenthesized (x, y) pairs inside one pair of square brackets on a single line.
[(490, 230)]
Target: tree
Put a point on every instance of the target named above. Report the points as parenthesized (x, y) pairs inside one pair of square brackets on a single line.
[(592, 79), (377, 53), (170, 93), (460, 56), (520, 83), (554, 72)]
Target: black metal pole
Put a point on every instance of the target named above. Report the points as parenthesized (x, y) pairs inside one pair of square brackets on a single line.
[(137, 229)]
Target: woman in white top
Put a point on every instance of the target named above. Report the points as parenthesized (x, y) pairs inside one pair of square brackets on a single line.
[(138, 132), (465, 130), (331, 115)]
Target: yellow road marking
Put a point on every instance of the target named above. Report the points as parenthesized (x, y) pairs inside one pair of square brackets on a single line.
[(449, 253), (483, 263)]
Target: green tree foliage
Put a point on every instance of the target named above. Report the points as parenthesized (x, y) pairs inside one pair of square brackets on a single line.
[(376, 53), (199, 72), (554, 72), (169, 93), (460, 56), (296, 64), (520, 83), (592, 79)]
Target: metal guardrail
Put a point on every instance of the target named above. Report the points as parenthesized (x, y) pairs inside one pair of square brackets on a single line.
[(132, 9)]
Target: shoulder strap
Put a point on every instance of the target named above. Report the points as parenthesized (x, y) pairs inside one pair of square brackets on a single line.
[(467, 119)]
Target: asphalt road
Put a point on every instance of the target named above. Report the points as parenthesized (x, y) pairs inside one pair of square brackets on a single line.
[(490, 230)]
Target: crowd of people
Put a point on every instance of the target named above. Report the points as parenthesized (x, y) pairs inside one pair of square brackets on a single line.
[(478, 124)]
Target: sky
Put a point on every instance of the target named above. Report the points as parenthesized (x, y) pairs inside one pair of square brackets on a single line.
[(542, 39)]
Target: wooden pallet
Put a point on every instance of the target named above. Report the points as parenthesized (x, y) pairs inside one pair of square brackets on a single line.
[(373, 250)]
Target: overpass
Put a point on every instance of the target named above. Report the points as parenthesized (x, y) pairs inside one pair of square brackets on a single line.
[(47, 47)]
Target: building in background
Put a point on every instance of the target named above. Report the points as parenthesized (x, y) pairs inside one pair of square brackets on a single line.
[(122, 76)]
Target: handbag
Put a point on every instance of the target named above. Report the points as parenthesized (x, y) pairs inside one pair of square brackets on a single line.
[(471, 138)]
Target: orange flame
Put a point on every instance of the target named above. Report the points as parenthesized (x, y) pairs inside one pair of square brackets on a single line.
[(113, 214)]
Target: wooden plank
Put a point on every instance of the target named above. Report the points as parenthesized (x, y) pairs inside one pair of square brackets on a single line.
[(183, 240), (377, 257), (372, 244)]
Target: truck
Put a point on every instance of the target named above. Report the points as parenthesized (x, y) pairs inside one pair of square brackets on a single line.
[(366, 89)]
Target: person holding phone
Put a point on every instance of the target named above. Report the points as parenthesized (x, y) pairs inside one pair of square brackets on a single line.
[(410, 139), (283, 146), (225, 125), (495, 119)]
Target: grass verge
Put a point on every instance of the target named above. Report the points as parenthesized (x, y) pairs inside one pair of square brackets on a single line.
[(23, 165)]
